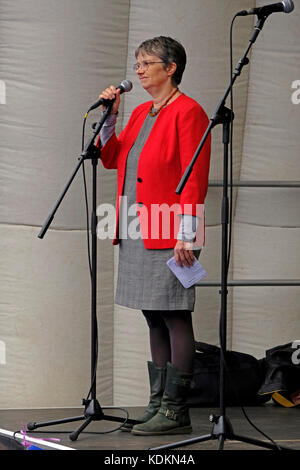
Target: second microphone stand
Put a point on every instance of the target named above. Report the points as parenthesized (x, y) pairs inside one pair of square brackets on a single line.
[(222, 428)]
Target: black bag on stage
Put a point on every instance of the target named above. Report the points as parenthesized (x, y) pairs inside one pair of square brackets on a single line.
[(243, 378), (281, 374)]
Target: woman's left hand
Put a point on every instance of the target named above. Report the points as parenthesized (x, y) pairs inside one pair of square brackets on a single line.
[(183, 253)]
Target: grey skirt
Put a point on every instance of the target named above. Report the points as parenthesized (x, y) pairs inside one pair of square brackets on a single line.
[(145, 281)]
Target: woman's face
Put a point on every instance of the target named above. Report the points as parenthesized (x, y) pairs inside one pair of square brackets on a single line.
[(152, 72)]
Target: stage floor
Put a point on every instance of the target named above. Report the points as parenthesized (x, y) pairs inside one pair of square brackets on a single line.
[(280, 424)]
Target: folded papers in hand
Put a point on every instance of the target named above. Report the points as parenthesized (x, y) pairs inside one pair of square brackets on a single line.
[(188, 276)]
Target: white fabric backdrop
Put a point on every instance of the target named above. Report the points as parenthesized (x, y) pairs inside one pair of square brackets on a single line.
[(56, 57)]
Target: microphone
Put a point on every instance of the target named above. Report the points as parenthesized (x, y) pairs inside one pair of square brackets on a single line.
[(286, 6), (124, 86)]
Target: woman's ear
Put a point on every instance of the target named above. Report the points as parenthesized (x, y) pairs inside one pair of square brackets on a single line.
[(171, 68)]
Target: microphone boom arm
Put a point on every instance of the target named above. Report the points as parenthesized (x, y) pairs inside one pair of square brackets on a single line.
[(221, 112), (88, 152)]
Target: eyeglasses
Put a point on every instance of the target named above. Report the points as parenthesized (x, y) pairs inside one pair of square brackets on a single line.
[(144, 65)]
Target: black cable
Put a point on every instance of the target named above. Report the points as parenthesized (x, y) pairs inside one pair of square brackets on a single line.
[(231, 146), (222, 352), (86, 199), (89, 256)]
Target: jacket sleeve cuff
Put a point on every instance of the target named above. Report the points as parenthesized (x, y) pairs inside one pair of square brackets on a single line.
[(188, 228), (108, 129)]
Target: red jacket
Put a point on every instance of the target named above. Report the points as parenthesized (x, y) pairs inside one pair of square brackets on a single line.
[(167, 152)]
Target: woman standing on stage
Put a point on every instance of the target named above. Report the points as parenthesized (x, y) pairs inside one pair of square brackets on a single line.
[(151, 154)]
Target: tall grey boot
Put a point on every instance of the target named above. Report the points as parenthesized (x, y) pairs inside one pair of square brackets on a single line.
[(173, 414), (157, 379)]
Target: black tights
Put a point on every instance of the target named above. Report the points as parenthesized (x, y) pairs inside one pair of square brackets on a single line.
[(171, 338)]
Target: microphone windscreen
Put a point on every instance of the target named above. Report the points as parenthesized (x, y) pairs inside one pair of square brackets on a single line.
[(126, 85), (288, 6)]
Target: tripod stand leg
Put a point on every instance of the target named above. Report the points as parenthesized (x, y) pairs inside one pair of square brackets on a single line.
[(74, 435), (221, 440), (256, 442), (33, 425), (204, 438)]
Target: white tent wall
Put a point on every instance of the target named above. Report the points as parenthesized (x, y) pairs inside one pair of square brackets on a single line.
[(55, 58)]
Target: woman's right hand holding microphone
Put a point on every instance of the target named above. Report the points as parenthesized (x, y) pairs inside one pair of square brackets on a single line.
[(109, 94)]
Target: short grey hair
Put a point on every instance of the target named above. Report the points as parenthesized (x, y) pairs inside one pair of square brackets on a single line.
[(168, 50)]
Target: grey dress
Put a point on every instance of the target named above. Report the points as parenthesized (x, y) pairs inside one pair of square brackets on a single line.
[(144, 280)]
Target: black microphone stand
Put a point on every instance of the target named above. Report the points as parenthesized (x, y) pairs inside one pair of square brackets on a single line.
[(222, 428), (93, 410)]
